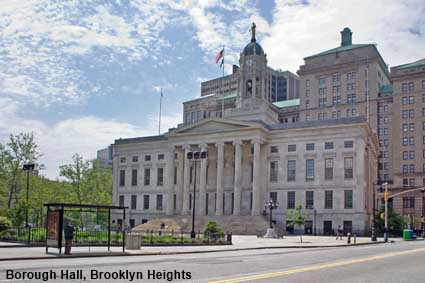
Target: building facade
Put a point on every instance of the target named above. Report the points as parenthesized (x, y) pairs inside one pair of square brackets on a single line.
[(326, 166)]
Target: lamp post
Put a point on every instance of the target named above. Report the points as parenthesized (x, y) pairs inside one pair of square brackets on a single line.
[(27, 167), (423, 213), (271, 204), (373, 236), (386, 211), (195, 157)]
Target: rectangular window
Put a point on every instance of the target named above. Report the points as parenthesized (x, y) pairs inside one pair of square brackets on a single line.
[(158, 202), (160, 176), (411, 140), (336, 78), (336, 89), (423, 84), (147, 158), (411, 100), (175, 175), (405, 140), (351, 86), (273, 171), (146, 202), (411, 154), (404, 114), (336, 100), (322, 80), (412, 182), (412, 113), (411, 86), (404, 100), (405, 155), (411, 168), (348, 199), (348, 144), (135, 159), (122, 178), (405, 127), (309, 146), (351, 98), (274, 149), (291, 170), (292, 147), (133, 202), (291, 200), (175, 201), (328, 199), (348, 168), (329, 168), (160, 156), (309, 170), (309, 199), (322, 91), (322, 102), (122, 159), (134, 177), (404, 87), (121, 201), (147, 180), (408, 202), (329, 145), (351, 76), (405, 169)]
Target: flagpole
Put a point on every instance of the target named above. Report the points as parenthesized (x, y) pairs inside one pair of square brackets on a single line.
[(160, 110), (222, 103)]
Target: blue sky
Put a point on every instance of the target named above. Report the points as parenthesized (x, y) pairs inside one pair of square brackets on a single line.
[(80, 74)]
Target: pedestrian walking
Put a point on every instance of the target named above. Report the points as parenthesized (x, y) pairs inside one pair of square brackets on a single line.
[(339, 233), (69, 236)]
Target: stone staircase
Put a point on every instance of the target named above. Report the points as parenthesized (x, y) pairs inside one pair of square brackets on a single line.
[(237, 225)]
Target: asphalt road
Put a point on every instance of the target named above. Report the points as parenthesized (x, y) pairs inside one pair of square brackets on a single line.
[(400, 262)]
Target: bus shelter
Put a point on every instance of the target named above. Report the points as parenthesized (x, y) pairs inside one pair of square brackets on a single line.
[(56, 217)]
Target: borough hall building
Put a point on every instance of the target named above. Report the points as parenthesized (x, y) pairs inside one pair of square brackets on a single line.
[(258, 150)]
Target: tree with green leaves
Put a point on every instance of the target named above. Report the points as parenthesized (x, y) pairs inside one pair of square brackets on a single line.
[(20, 149), (296, 218), (396, 222)]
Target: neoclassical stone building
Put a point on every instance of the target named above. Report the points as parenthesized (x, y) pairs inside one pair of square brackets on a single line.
[(327, 166)]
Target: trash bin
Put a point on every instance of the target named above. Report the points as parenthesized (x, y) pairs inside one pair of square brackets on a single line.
[(407, 235), (133, 241)]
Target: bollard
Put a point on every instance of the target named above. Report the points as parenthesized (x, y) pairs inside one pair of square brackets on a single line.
[(348, 238), (355, 239)]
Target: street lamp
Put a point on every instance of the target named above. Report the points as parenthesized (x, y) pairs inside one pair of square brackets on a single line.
[(423, 212), (28, 167), (386, 211), (195, 157), (271, 204)]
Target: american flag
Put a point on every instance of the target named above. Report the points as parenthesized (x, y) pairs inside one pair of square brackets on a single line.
[(219, 56)]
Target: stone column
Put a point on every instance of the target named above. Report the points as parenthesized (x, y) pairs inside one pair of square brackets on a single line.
[(238, 178), (203, 182), (169, 179), (256, 183), (220, 175), (186, 181), (180, 180)]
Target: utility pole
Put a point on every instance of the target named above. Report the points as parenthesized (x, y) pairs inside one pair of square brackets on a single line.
[(386, 211)]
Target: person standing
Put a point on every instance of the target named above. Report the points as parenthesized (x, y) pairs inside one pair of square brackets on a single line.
[(69, 236), (339, 233)]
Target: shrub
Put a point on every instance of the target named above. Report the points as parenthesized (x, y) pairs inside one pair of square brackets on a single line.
[(4, 222), (213, 229)]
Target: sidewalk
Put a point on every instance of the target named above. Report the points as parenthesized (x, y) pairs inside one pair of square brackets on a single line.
[(239, 243)]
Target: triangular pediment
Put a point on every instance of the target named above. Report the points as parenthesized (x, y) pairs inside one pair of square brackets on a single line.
[(215, 125)]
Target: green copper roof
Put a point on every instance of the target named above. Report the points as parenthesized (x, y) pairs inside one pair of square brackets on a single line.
[(386, 89), (287, 103), (418, 63), (339, 49)]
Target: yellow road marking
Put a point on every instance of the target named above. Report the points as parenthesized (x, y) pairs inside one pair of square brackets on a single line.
[(316, 267)]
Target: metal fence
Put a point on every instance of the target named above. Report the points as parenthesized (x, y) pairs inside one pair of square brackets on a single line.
[(37, 236), (152, 238)]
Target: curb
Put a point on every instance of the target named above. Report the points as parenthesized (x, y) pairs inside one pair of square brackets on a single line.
[(186, 252)]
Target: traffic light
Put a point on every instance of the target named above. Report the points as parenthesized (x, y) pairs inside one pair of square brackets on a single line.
[(386, 196)]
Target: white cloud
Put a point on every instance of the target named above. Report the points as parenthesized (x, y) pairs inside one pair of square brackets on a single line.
[(300, 30), (83, 135)]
